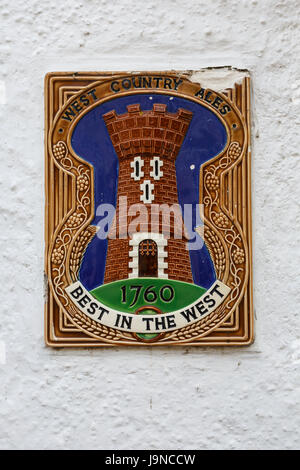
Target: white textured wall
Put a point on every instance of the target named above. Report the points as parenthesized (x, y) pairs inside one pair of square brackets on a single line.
[(160, 398)]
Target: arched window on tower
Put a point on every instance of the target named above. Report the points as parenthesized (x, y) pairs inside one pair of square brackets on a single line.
[(148, 266)]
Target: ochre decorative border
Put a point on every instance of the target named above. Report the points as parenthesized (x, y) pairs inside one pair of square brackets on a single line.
[(224, 190)]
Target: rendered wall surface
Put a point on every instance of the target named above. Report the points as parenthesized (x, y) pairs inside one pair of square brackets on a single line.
[(166, 397)]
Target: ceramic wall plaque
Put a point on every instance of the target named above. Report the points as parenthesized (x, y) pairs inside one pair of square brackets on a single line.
[(148, 214)]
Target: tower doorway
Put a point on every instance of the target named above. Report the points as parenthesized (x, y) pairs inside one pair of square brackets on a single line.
[(148, 266)]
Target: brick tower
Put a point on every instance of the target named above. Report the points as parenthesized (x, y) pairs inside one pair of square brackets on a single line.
[(147, 144)]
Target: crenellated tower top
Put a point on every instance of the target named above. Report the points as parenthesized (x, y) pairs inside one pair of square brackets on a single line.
[(152, 132)]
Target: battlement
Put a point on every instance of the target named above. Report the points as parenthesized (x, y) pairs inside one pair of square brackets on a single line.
[(152, 132)]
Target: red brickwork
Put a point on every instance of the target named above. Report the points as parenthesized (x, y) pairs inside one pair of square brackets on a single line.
[(178, 261), (147, 134), (117, 260), (154, 132)]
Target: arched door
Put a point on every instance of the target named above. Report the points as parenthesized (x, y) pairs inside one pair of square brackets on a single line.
[(148, 258)]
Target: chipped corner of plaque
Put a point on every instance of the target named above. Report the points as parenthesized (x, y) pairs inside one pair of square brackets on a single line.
[(217, 78)]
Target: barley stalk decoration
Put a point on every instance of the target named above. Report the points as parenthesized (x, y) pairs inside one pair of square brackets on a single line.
[(78, 250)]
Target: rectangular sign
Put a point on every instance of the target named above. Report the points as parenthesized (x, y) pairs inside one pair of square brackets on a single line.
[(148, 209)]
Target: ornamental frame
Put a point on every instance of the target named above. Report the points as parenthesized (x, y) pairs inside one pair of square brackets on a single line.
[(225, 192)]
